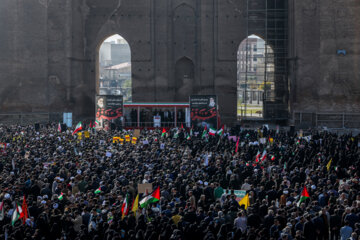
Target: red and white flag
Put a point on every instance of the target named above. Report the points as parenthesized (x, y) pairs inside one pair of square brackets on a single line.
[(77, 128), (257, 156), (263, 156), (125, 207)]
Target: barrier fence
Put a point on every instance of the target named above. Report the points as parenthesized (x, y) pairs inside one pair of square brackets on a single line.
[(330, 120), (30, 118)]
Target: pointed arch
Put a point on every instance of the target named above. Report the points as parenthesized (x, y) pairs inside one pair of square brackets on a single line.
[(114, 75), (255, 76)]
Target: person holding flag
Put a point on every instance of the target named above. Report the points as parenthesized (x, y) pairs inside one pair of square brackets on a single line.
[(263, 156), (212, 131), (125, 206), (135, 205), (304, 195), (24, 214), (152, 198), (257, 159), (220, 132), (16, 214), (77, 128), (204, 134), (328, 165), (237, 145), (163, 132), (245, 201)]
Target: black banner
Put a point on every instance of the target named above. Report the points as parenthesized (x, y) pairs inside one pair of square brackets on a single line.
[(203, 111), (109, 109)]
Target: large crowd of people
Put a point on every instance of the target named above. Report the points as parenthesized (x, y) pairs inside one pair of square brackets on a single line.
[(74, 187)]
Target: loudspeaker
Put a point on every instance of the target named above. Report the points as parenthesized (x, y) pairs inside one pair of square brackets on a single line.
[(292, 131), (37, 127)]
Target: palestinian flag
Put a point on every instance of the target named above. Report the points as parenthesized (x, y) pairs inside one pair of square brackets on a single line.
[(97, 191), (77, 128), (204, 132), (125, 207), (304, 195), (152, 198), (257, 156), (24, 213), (212, 132), (16, 214), (91, 126), (2, 214), (220, 131), (61, 197), (59, 128), (163, 132), (263, 156)]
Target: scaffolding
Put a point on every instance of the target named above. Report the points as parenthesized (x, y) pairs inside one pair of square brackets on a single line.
[(265, 72)]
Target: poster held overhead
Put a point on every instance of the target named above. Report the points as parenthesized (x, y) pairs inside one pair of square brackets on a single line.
[(204, 111)]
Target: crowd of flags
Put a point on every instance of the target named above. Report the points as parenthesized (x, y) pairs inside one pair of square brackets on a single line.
[(146, 201), (22, 212), (19, 212)]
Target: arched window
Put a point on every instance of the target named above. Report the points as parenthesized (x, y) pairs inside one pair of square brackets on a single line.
[(115, 68), (255, 76)]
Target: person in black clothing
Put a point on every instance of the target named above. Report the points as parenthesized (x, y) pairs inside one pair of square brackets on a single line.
[(76, 188)]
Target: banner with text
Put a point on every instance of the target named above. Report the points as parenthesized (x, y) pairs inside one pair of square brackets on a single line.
[(203, 111)]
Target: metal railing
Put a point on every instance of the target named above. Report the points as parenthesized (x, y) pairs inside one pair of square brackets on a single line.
[(151, 124), (29, 118), (330, 120)]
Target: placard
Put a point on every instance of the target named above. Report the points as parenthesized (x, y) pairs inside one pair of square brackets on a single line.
[(108, 109), (239, 194), (203, 111), (136, 133), (87, 134), (116, 139), (145, 188)]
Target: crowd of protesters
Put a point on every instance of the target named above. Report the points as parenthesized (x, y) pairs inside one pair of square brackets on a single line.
[(58, 174)]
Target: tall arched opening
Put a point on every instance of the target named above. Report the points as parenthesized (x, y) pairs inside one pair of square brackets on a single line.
[(184, 79), (255, 77), (114, 68)]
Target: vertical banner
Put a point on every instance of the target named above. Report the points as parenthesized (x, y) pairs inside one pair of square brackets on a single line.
[(203, 111), (109, 109)]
